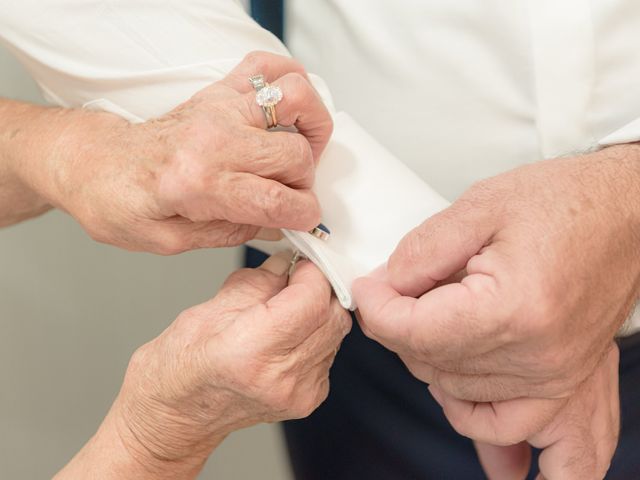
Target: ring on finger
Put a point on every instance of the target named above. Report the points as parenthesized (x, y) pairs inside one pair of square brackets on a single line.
[(267, 97), (297, 256)]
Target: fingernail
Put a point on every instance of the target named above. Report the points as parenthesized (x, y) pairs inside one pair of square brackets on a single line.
[(269, 234), (279, 263)]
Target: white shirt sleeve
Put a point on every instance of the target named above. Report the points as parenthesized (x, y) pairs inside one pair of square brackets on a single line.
[(145, 56), (141, 58)]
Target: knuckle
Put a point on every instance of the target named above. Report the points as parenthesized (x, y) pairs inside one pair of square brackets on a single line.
[(257, 59), (459, 424), (422, 371), (139, 357), (297, 88), (278, 397), (97, 234), (495, 432), (508, 436), (298, 68), (494, 436), (310, 401), (172, 244), (301, 410), (241, 276), (297, 80), (186, 169), (141, 361), (95, 227)]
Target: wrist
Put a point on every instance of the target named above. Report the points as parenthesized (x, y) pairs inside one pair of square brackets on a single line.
[(625, 161), (623, 178), (112, 453), (49, 149), (173, 417), (17, 200), (27, 143), (145, 454), (119, 451)]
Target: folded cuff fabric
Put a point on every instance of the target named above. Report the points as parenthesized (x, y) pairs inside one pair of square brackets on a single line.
[(370, 200)]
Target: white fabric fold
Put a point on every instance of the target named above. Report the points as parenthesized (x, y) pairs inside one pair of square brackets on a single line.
[(369, 199), (629, 133)]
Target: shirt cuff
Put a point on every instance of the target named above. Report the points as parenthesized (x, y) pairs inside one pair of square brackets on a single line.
[(630, 133)]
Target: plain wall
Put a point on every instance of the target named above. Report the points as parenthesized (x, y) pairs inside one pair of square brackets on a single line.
[(71, 313)]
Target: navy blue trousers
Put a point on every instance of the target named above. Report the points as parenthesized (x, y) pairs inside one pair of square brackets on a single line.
[(380, 423)]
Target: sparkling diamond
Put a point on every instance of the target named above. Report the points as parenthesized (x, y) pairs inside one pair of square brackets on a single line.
[(257, 81), (269, 96)]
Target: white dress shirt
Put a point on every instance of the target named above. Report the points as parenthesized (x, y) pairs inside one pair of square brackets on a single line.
[(458, 90), (466, 89)]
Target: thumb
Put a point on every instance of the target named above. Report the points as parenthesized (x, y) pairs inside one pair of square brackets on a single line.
[(277, 264), (439, 248), (248, 287), (504, 463)]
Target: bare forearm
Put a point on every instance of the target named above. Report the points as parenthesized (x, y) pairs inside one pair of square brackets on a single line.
[(114, 453), (17, 200), (37, 146)]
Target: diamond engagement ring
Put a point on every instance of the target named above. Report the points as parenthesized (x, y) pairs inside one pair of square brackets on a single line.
[(267, 96)]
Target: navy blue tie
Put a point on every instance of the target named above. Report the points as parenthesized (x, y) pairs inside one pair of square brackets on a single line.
[(269, 14)]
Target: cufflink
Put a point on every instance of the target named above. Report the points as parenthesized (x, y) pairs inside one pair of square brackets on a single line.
[(321, 232)]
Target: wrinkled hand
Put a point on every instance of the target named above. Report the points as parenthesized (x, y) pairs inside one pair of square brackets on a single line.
[(521, 284), (577, 443), (259, 351), (206, 174), (517, 289)]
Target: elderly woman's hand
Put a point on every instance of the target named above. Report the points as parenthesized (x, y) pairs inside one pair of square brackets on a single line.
[(206, 174), (259, 351)]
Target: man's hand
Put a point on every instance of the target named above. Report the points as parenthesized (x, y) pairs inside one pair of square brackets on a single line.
[(206, 174), (259, 351), (578, 443), (517, 289)]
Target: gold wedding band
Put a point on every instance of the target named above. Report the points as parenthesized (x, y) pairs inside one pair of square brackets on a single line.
[(297, 256), (267, 96)]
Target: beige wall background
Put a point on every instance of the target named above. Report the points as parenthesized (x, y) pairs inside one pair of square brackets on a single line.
[(71, 313)]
